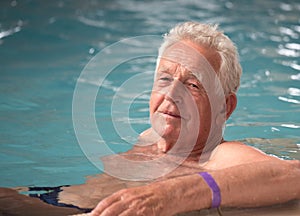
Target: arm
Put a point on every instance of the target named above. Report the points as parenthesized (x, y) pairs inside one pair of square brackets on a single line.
[(254, 184), (248, 185)]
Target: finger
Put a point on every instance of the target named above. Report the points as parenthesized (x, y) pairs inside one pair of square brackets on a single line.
[(104, 204), (115, 209), (128, 212), (139, 210)]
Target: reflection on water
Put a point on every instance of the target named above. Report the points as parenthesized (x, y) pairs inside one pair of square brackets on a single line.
[(284, 148)]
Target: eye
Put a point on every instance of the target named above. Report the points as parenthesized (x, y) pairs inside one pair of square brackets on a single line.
[(193, 85), (164, 78), (167, 79)]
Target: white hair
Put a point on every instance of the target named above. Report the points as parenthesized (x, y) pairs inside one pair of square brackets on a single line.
[(209, 36)]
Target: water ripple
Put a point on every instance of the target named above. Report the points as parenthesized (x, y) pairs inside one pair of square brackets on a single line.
[(9, 32), (294, 91), (295, 66), (17, 104), (286, 7), (290, 126), (289, 32), (293, 46), (288, 52), (296, 76), (90, 22), (289, 100), (285, 148)]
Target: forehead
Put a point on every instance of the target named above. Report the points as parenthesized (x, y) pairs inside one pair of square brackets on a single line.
[(183, 54), (170, 67), (190, 57)]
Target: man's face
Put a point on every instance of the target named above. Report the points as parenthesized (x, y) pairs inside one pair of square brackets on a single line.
[(180, 109)]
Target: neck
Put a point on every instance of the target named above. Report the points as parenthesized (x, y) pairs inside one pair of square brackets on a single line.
[(158, 146)]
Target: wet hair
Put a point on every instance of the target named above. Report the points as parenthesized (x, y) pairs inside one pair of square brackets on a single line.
[(209, 36)]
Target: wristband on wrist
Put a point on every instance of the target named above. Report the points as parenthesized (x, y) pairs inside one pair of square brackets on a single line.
[(216, 194)]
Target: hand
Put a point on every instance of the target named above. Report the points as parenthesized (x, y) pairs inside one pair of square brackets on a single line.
[(295, 163), (145, 200)]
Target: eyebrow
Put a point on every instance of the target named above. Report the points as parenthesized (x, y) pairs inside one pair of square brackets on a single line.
[(163, 70), (190, 74)]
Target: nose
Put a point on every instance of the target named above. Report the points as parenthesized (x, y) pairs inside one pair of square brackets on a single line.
[(175, 92)]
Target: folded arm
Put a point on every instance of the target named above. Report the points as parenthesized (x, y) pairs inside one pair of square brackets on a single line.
[(249, 185)]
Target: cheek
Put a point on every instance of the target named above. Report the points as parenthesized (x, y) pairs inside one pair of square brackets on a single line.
[(199, 110), (155, 100), (205, 115)]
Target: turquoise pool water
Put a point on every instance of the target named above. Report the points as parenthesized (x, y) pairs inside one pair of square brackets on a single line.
[(44, 46)]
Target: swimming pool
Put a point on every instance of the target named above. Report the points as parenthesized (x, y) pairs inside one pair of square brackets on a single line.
[(45, 45)]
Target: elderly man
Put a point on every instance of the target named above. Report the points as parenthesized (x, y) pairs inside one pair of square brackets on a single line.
[(194, 93)]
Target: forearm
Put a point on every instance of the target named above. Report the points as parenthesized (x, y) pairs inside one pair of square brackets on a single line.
[(249, 185), (183, 194), (259, 184)]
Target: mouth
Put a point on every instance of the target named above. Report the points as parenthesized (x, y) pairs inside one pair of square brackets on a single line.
[(171, 114)]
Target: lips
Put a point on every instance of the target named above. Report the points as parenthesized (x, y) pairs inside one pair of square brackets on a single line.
[(172, 114)]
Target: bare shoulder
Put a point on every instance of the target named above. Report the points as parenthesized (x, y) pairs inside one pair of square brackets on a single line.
[(233, 153), (235, 147)]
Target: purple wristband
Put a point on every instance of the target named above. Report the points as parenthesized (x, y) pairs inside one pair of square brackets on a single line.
[(216, 194)]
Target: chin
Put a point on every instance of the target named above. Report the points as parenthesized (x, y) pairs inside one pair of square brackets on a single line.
[(168, 132)]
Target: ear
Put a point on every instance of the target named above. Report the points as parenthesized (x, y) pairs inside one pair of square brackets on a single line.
[(231, 102)]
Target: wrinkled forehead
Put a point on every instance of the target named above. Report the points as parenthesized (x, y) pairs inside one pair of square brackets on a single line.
[(189, 58)]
